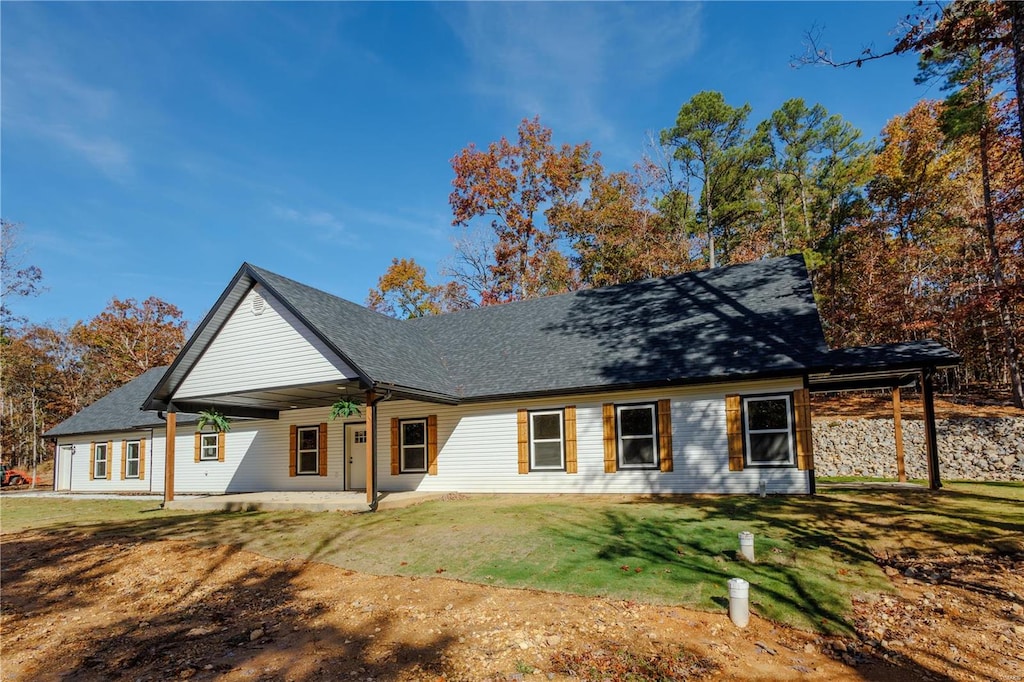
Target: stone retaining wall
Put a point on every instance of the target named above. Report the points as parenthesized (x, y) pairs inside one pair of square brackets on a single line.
[(983, 449)]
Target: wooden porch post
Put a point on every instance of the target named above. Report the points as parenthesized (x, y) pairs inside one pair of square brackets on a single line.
[(172, 418), (897, 420), (930, 436), (371, 449)]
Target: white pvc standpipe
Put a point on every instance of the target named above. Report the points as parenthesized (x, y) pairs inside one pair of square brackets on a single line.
[(747, 546), (739, 602)]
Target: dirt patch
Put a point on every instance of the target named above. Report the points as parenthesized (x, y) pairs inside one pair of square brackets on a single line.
[(962, 615), (96, 608)]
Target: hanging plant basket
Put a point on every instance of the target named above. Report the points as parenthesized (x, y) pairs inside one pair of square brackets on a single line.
[(345, 408), (213, 418)]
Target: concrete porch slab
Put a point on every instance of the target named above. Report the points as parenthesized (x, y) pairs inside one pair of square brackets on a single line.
[(340, 501)]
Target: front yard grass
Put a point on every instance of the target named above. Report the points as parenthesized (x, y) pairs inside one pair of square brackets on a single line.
[(813, 554)]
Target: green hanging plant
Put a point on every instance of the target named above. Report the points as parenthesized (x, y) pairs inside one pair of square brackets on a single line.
[(344, 408), (214, 418)]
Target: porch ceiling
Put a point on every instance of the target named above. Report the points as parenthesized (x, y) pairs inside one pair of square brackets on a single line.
[(278, 399), (859, 381)]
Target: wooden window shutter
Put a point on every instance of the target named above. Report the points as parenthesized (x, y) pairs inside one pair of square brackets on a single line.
[(571, 459), (110, 458), (124, 459), (221, 440), (432, 445), (523, 439), (734, 429), (394, 446), (665, 434), (142, 459), (293, 449), (804, 439), (322, 453), (199, 444), (92, 461), (611, 461)]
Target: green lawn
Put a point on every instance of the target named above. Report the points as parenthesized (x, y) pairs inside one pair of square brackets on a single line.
[(813, 553)]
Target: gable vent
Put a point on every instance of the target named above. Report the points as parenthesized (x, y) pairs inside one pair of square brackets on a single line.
[(257, 304)]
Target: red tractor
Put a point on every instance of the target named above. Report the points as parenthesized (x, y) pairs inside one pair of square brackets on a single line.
[(9, 476)]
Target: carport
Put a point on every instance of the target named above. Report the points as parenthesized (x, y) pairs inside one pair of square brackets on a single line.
[(893, 367)]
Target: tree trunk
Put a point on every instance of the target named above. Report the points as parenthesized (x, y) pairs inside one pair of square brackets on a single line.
[(1005, 311), (1017, 39)]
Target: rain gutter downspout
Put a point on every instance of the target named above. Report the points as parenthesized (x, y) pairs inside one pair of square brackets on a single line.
[(373, 447)]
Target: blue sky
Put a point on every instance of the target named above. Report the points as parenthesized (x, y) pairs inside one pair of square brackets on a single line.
[(150, 149)]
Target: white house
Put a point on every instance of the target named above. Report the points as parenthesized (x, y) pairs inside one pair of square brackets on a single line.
[(698, 382)]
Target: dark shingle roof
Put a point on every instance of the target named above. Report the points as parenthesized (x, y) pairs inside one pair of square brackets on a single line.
[(909, 354), (740, 322), (746, 320), (118, 410), (388, 350)]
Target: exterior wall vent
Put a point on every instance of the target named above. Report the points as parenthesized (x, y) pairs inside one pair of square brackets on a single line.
[(257, 304)]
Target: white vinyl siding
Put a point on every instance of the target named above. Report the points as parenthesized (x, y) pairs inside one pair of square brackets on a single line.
[(477, 450), (74, 463), (288, 353), (256, 457), (477, 447)]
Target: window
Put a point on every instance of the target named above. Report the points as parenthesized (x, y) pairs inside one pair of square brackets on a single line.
[(769, 430), (638, 436), (308, 459), (547, 446), (413, 445), (208, 446), (359, 437), (131, 456), (99, 461)]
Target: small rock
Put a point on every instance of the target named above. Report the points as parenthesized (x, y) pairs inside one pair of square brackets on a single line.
[(553, 640), (809, 648), (890, 571), (523, 644), (255, 634)]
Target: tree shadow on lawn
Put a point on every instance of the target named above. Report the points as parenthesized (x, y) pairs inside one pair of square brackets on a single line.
[(700, 559), (206, 622)]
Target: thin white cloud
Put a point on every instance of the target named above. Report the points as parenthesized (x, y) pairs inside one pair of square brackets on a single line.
[(108, 155), (568, 61), (322, 225), (43, 101)]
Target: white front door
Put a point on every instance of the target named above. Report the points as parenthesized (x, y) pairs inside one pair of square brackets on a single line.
[(355, 456), (64, 467)]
